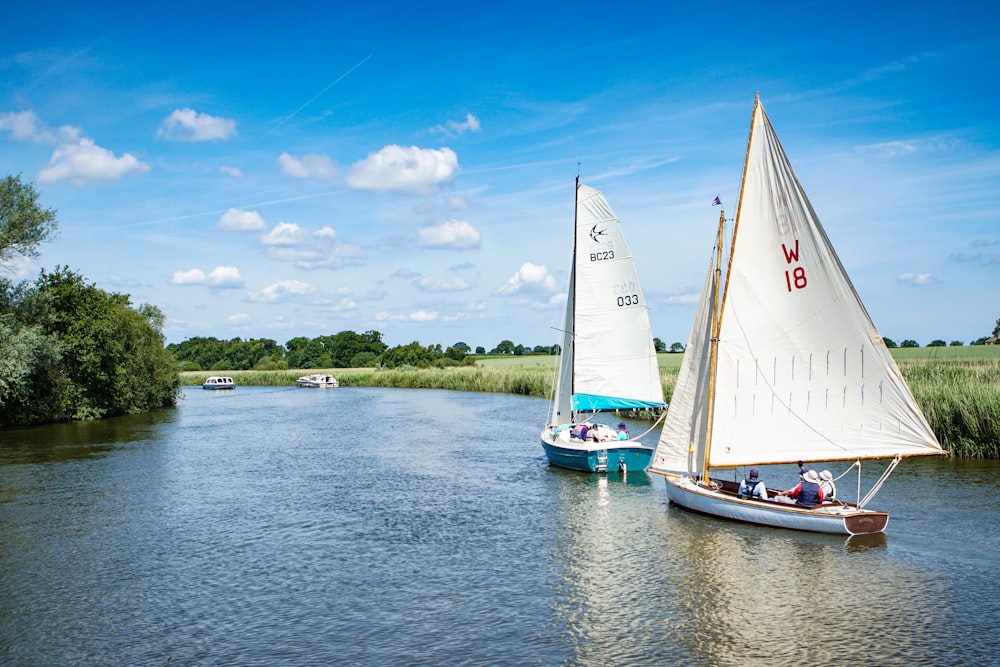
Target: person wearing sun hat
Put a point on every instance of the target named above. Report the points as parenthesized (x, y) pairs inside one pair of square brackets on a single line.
[(806, 492)]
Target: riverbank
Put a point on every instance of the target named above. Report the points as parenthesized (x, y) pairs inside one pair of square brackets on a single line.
[(958, 389)]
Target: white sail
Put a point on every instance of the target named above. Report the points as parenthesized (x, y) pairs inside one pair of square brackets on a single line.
[(612, 360), (802, 372)]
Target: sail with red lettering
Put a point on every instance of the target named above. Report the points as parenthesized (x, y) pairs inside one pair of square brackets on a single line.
[(787, 365)]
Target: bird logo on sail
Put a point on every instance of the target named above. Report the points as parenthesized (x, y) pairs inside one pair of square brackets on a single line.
[(595, 233)]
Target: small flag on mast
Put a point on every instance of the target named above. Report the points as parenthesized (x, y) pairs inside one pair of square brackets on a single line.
[(716, 201)]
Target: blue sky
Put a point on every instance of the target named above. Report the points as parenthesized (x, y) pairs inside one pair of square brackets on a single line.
[(272, 171)]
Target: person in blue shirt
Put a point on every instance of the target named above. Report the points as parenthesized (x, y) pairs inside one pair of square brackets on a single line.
[(753, 487), (622, 431)]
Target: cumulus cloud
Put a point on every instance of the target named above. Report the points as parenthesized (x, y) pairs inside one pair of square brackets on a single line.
[(529, 278), (451, 234), (310, 250), (239, 220), (916, 278), (189, 125), (415, 316), (452, 128), (311, 165), (79, 160), (281, 292), (407, 170), (442, 284), (26, 126), (221, 277)]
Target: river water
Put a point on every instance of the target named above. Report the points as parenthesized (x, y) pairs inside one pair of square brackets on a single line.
[(359, 526)]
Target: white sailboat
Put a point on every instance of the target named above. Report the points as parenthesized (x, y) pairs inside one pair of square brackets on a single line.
[(787, 366), (608, 359)]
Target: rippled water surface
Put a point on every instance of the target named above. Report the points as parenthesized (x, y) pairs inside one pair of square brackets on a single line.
[(357, 526)]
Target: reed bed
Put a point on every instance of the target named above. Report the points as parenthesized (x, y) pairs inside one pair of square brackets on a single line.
[(959, 397)]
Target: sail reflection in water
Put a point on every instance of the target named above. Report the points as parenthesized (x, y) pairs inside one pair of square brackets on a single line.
[(380, 526)]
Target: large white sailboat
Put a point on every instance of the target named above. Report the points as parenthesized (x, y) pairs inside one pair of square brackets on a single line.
[(608, 358), (785, 366)]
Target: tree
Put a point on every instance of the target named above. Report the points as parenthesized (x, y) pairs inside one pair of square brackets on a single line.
[(889, 343), (659, 345), (909, 343), (996, 329), (936, 343), (23, 223), (677, 347), (956, 343), (480, 349), (504, 347), (111, 358)]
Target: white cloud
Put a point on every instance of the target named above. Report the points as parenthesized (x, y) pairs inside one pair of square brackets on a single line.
[(235, 172), (408, 170), (80, 160), (917, 278), (281, 291), (239, 319), (286, 234), (415, 316), (221, 277), (25, 126), (311, 165), (189, 125), (529, 278), (310, 250), (443, 284), (453, 234), (451, 128), (238, 220)]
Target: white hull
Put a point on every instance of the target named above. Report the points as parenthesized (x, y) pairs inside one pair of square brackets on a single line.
[(318, 382), (836, 518)]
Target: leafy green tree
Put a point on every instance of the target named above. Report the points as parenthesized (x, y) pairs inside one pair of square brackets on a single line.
[(676, 347), (889, 343), (996, 329), (24, 225), (480, 349), (504, 347), (909, 343), (112, 359), (31, 386), (936, 343), (956, 343), (659, 345)]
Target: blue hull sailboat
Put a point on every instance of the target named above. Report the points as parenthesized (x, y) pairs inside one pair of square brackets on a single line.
[(608, 361)]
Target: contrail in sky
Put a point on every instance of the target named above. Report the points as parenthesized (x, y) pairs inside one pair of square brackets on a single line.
[(329, 86)]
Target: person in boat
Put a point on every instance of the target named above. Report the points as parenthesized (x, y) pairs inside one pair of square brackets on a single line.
[(827, 486), (807, 492), (622, 431), (753, 487)]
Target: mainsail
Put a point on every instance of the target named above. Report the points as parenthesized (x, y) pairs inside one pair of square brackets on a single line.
[(609, 361), (802, 372)]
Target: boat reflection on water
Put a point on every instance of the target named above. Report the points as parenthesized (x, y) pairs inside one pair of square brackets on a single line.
[(859, 543)]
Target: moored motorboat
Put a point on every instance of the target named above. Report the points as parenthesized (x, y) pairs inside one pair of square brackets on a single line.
[(219, 382), (318, 381)]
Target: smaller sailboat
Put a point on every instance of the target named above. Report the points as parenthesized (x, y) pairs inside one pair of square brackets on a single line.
[(786, 367), (608, 361)]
